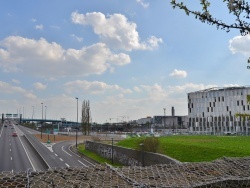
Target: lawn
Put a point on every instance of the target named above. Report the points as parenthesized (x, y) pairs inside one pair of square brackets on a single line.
[(198, 148)]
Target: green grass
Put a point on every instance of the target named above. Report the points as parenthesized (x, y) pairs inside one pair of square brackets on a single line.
[(95, 157), (198, 148)]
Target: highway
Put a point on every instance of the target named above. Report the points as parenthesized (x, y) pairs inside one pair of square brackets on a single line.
[(13, 155), (59, 155), (25, 151)]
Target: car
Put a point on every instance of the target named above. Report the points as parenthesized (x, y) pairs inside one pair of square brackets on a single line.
[(5, 125), (14, 134)]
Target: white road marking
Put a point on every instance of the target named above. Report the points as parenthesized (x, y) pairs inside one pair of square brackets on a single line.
[(66, 151), (26, 153), (82, 163), (66, 164), (56, 155), (11, 158), (10, 150), (61, 159)]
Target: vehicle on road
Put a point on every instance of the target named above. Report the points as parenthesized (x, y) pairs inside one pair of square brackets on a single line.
[(14, 134), (5, 125)]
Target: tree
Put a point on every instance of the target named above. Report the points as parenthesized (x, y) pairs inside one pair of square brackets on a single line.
[(244, 115), (240, 9), (86, 118)]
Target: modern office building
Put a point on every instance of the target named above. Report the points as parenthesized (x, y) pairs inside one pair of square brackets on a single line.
[(214, 110)]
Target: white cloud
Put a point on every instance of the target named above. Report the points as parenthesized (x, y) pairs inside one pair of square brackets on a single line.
[(79, 39), (33, 19), (178, 73), (13, 90), (39, 27), (142, 3), (115, 30), (240, 44), (16, 81), (39, 86), (42, 58), (94, 87)]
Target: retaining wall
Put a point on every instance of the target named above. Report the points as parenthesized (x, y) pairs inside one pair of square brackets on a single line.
[(128, 157)]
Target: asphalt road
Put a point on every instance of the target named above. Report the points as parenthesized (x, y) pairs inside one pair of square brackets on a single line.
[(57, 155), (13, 155), (62, 150)]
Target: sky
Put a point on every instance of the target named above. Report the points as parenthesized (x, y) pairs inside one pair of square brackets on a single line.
[(129, 58)]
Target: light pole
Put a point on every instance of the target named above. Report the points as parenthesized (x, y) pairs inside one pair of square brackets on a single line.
[(45, 112), (164, 116), (42, 122), (76, 119)]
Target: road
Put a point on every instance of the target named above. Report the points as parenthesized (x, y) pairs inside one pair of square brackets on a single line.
[(57, 155), (13, 155)]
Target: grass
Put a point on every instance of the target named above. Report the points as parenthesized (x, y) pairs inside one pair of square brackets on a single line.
[(95, 157), (198, 148)]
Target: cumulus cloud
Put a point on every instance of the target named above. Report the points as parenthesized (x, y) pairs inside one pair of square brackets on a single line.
[(178, 73), (11, 90), (94, 87), (39, 86), (42, 58), (188, 87), (39, 27), (142, 3), (116, 31), (240, 44)]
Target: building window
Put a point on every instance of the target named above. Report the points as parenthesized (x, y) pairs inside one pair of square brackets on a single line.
[(238, 103), (211, 109), (243, 108), (219, 99), (227, 108), (207, 109), (242, 102), (222, 98)]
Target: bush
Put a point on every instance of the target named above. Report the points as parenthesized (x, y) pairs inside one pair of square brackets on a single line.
[(151, 144)]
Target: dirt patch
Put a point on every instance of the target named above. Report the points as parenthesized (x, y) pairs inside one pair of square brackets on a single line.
[(58, 138)]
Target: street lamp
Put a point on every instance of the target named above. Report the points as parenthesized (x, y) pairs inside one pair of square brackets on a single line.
[(76, 119), (42, 122)]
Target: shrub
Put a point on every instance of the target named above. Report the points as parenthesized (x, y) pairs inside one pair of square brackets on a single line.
[(151, 144)]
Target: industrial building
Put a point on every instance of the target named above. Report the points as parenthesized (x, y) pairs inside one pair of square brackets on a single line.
[(214, 110)]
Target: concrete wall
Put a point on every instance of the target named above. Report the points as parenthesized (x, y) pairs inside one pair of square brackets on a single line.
[(128, 157)]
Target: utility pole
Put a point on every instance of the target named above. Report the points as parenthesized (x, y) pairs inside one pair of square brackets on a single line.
[(164, 117)]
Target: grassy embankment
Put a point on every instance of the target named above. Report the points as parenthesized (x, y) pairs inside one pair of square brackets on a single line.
[(198, 148), (95, 157)]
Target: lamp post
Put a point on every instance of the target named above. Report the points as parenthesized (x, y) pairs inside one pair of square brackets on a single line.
[(142, 154), (76, 119), (42, 122), (112, 151)]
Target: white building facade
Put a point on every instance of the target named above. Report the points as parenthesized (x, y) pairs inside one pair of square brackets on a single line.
[(214, 110)]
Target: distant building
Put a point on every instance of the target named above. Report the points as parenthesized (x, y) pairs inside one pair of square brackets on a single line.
[(167, 122), (213, 110)]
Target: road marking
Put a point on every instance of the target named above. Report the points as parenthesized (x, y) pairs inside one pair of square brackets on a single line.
[(66, 164), (82, 163), (88, 161), (61, 159), (12, 170), (11, 158), (10, 150), (27, 154), (66, 151), (56, 155)]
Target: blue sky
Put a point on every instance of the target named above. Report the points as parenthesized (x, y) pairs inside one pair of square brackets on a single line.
[(130, 58)]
